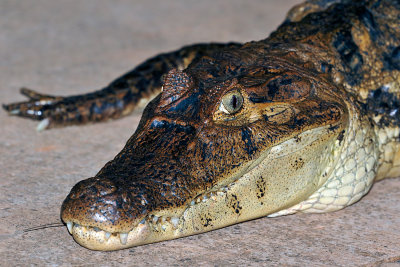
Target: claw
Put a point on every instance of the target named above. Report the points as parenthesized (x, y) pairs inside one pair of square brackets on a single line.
[(14, 112), (6, 107), (33, 95), (33, 107), (43, 125)]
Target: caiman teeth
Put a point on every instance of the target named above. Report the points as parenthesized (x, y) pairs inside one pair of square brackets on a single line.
[(107, 235), (156, 222), (155, 219), (42, 125), (123, 238), (69, 226), (175, 221)]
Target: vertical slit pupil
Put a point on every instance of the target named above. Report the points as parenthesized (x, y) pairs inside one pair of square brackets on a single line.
[(234, 102)]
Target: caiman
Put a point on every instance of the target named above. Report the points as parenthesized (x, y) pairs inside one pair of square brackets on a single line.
[(303, 121)]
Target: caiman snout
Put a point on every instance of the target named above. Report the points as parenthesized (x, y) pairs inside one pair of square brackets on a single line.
[(104, 204), (97, 211)]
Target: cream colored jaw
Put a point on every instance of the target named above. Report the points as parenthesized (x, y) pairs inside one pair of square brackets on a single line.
[(96, 239), (151, 229)]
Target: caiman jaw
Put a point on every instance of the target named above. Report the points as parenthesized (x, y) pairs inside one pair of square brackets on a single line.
[(243, 199), (151, 229)]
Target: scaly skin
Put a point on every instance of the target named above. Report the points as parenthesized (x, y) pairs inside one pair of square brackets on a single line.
[(303, 121)]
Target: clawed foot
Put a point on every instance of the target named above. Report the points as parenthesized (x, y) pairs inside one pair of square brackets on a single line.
[(35, 108)]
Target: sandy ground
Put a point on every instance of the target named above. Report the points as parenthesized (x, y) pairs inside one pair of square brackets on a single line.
[(71, 47)]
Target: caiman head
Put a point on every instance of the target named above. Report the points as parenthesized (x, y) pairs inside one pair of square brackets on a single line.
[(228, 139)]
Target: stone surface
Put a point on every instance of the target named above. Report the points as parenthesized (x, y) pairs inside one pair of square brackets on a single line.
[(71, 47)]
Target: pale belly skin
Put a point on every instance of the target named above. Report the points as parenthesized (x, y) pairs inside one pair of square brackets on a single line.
[(303, 121)]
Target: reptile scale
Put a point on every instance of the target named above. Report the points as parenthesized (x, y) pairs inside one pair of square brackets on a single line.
[(305, 120)]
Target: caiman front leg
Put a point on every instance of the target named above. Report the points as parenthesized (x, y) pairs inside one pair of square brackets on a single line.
[(118, 99)]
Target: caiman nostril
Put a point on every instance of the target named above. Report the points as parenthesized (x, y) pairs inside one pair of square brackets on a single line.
[(92, 187), (105, 187), (99, 203)]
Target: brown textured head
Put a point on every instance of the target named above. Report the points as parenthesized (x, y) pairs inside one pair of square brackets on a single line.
[(193, 164)]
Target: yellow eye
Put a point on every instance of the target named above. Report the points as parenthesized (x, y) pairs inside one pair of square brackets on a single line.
[(231, 102)]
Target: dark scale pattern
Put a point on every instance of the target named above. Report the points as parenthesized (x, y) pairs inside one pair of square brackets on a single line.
[(382, 103), (350, 55)]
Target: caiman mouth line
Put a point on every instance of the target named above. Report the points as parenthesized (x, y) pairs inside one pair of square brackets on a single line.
[(98, 239), (150, 222)]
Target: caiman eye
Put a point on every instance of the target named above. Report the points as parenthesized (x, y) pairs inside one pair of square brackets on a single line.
[(231, 102)]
